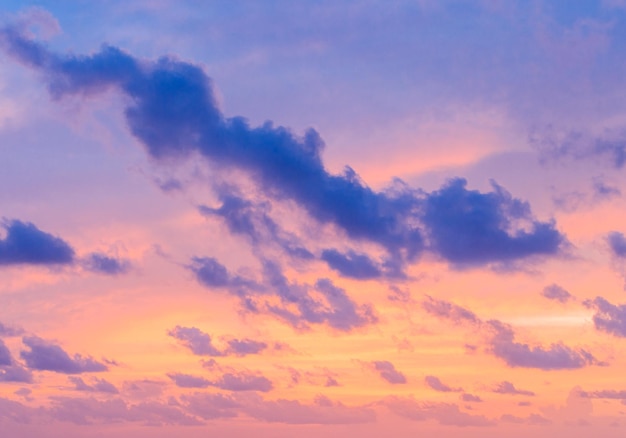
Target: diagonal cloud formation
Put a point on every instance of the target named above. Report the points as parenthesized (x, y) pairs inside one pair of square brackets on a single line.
[(173, 112)]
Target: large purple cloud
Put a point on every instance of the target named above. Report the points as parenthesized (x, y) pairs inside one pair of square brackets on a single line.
[(24, 243), (173, 112)]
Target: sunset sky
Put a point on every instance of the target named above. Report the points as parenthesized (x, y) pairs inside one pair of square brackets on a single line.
[(312, 218)]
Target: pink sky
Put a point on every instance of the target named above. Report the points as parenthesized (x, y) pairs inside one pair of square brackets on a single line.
[(319, 218)]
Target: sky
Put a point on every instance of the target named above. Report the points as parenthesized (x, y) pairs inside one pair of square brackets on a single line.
[(315, 218)]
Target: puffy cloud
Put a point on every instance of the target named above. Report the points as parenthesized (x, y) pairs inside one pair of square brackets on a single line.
[(609, 318), (98, 385), (388, 372), (617, 243), (196, 340), (557, 293), (44, 356), (24, 243), (467, 227), (444, 413), (436, 384), (506, 387), (173, 112), (105, 264)]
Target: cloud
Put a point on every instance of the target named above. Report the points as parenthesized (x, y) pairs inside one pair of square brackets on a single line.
[(44, 356), (105, 264), (447, 310), (9, 331), (189, 381), (617, 243), (470, 398), (556, 293), (201, 344), (230, 381), (608, 318), (98, 385), (299, 307), (516, 354), (196, 340), (436, 384), (250, 219), (24, 243), (244, 347), (388, 372), (611, 394), (5, 354), (534, 419), (243, 381), (85, 411), (506, 387), (173, 112), (444, 413), (351, 264), (321, 411), (501, 341), (15, 373), (467, 227)]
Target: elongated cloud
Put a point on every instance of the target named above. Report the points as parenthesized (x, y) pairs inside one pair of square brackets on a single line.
[(436, 384), (502, 344), (617, 243), (98, 385), (444, 413), (173, 112), (44, 356), (24, 243), (506, 387), (388, 371), (196, 340), (107, 265)]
